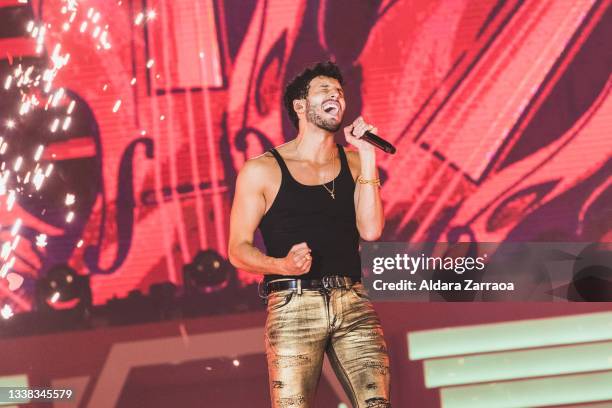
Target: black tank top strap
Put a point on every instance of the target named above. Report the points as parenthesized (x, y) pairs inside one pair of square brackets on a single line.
[(342, 154), (344, 166), (281, 163)]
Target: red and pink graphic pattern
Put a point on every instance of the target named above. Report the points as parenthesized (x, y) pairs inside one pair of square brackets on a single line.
[(500, 110)]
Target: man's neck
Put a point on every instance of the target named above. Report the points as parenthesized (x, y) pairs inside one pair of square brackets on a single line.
[(315, 145)]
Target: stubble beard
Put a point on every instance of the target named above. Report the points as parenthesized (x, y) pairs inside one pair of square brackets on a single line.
[(326, 124)]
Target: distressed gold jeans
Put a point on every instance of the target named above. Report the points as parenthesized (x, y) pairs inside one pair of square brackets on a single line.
[(300, 328)]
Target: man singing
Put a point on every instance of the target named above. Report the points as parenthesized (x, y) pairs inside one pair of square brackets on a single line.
[(312, 201)]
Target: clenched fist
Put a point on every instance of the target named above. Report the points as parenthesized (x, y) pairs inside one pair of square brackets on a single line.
[(298, 261)]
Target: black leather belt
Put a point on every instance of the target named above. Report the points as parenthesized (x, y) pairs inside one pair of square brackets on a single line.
[(327, 282)]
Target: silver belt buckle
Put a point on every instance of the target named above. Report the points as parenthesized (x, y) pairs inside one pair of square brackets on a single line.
[(332, 282)]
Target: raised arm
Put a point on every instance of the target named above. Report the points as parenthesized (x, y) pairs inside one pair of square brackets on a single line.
[(248, 208), (368, 204)]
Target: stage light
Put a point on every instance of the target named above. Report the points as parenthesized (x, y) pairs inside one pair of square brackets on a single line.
[(210, 285), (209, 272), (63, 288)]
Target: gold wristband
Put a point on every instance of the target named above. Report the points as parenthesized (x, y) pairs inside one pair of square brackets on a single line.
[(374, 182)]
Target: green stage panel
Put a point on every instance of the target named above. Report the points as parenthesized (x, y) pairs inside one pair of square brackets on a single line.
[(541, 392), (510, 335), (11, 381), (518, 364), (19, 380)]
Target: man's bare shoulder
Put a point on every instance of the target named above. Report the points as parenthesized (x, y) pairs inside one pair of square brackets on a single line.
[(259, 168)]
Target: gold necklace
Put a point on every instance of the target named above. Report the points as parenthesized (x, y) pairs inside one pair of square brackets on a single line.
[(333, 189)]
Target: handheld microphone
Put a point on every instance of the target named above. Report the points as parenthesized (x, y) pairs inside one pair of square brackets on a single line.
[(379, 142)]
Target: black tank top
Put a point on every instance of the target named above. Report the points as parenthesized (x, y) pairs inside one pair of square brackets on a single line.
[(302, 213)]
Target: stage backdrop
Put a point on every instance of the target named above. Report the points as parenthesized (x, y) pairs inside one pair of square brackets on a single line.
[(500, 110)]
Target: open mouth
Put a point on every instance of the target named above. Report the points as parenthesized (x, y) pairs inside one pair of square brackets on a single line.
[(331, 107)]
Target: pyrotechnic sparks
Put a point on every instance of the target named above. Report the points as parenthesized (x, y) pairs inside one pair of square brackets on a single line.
[(70, 199), (7, 267), (57, 97), (41, 240), (10, 200), (70, 108), (39, 152), (6, 250), (18, 163), (15, 242), (32, 86), (116, 106), (145, 16), (66, 123), (55, 125), (28, 102), (39, 34), (7, 312), (16, 227), (38, 180), (71, 5)]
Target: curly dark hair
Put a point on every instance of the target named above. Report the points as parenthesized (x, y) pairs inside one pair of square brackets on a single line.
[(298, 87)]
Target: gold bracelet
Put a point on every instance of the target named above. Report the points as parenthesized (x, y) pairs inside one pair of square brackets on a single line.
[(374, 182)]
